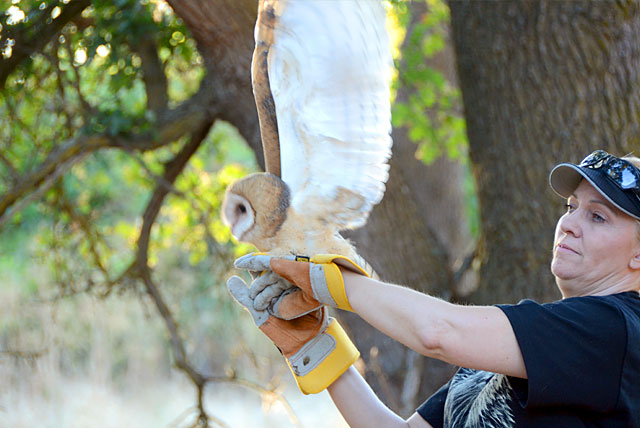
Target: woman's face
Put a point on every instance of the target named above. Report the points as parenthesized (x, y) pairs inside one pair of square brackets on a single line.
[(595, 251)]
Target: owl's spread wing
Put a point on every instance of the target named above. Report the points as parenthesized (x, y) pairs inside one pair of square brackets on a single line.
[(329, 71)]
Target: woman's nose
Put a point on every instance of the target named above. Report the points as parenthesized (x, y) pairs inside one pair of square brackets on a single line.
[(570, 223)]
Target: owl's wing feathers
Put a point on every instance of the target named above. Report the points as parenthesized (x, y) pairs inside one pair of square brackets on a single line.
[(329, 69)]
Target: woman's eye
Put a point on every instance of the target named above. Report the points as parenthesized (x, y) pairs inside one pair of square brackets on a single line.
[(597, 218), (570, 207)]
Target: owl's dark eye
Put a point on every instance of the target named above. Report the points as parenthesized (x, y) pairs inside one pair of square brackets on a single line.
[(242, 209)]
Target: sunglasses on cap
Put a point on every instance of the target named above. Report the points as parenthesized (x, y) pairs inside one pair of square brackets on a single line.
[(622, 172)]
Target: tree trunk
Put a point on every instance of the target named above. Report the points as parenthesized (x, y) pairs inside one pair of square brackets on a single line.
[(542, 82), (223, 30)]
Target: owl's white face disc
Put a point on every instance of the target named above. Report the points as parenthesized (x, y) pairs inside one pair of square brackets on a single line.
[(238, 214)]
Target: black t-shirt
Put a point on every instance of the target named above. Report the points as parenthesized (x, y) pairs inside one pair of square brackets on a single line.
[(582, 356)]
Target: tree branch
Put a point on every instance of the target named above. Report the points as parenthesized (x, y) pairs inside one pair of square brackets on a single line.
[(32, 37), (13, 173), (174, 124), (26, 355), (172, 169), (155, 80), (75, 83), (93, 237), (43, 177)]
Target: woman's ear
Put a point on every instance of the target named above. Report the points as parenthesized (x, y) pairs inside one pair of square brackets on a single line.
[(634, 263)]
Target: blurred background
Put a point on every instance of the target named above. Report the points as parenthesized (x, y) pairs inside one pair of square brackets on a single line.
[(122, 122)]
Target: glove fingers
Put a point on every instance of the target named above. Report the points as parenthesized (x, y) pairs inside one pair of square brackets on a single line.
[(264, 298), (258, 262), (255, 273), (268, 279), (240, 292), (294, 303), (253, 262)]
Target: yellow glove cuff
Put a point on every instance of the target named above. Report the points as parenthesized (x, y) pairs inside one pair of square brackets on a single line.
[(335, 285), (343, 261), (333, 277), (333, 365)]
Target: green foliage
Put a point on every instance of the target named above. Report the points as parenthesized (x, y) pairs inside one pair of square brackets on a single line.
[(432, 113), (81, 235), (89, 79)]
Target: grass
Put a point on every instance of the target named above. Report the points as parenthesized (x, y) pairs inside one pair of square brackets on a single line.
[(83, 361)]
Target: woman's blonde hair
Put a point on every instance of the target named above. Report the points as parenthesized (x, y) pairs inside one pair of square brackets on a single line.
[(635, 161)]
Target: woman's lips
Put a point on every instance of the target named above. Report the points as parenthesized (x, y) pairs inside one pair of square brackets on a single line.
[(565, 247)]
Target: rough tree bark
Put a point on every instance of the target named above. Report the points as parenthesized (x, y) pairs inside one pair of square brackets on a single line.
[(223, 30), (542, 82)]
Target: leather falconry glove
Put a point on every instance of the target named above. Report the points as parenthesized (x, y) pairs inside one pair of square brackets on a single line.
[(316, 347), (318, 282)]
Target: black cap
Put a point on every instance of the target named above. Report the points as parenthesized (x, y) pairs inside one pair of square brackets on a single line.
[(566, 177)]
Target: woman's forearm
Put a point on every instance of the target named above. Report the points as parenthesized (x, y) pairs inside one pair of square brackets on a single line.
[(359, 405), (478, 337), (406, 315)]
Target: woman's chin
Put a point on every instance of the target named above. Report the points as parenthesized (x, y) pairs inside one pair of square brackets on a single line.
[(562, 270)]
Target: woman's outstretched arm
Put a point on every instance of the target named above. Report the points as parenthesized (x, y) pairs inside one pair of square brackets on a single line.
[(360, 407), (477, 337)]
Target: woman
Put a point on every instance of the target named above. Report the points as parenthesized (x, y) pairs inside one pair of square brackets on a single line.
[(571, 363)]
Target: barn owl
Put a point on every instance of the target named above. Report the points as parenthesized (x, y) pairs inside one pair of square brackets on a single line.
[(320, 74)]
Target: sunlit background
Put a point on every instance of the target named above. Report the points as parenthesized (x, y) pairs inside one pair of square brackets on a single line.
[(81, 344)]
